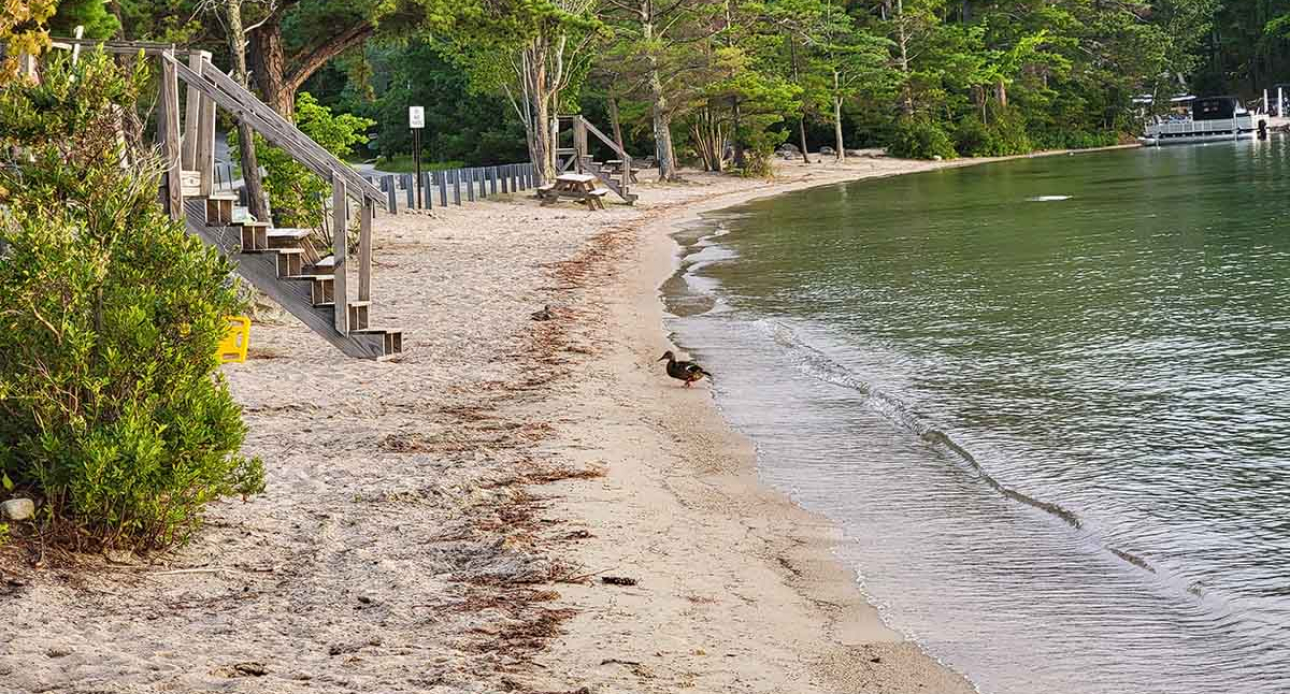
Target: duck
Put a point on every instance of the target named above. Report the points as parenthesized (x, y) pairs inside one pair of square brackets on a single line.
[(686, 371), (545, 314)]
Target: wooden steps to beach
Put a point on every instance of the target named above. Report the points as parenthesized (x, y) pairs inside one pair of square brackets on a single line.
[(619, 182), (282, 263), (273, 260)]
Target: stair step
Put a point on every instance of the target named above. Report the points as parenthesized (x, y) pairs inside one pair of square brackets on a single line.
[(222, 196), (391, 339), (326, 263), (291, 262), (288, 238)]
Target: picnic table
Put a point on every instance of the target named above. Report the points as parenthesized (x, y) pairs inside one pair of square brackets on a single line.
[(614, 167), (579, 187)]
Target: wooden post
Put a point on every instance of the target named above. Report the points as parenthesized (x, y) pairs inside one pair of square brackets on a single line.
[(170, 138), (411, 189), (456, 187), (365, 251), (492, 180), (192, 115), (204, 156), (443, 188), (387, 185), (339, 249), (470, 185), (580, 137), (27, 66), (427, 191), (505, 172)]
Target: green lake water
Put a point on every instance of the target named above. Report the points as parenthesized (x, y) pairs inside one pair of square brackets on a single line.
[(1048, 400)]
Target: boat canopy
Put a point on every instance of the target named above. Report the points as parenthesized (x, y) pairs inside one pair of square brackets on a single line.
[(1216, 108)]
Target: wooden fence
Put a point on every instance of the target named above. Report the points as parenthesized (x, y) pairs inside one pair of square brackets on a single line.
[(454, 186), (438, 188)]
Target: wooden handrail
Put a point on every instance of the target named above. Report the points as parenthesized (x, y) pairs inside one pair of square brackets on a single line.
[(231, 96), (121, 47)]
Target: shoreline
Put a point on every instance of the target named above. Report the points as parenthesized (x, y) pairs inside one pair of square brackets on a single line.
[(443, 522)]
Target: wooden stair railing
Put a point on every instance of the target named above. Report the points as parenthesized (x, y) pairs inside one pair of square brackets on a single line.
[(579, 156), (275, 261)]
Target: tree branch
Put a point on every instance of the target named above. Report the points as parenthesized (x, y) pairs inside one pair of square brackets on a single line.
[(310, 61)]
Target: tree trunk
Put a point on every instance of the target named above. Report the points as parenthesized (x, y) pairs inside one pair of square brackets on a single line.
[(543, 149), (735, 133), (1001, 94), (907, 97), (245, 136), (615, 124), (837, 128), (661, 119), (801, 116), (662, 124), (269, 62), (279, 77)]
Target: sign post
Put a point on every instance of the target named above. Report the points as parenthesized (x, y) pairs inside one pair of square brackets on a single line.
[(417, 121)]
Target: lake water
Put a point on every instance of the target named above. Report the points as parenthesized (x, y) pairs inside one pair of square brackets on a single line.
[(1047, 400)]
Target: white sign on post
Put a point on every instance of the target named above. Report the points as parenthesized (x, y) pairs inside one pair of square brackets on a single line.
[(417, 116)]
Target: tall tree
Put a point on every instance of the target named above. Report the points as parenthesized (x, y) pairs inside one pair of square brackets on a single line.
[(658, 48), (297, 38), (533, 51)]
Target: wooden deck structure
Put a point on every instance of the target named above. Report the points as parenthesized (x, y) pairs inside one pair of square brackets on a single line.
[(617, 178), (278, 262)]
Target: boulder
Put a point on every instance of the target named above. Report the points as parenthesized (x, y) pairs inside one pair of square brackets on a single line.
[(827, 150), (790, 148), (854, 153), (18, 509)]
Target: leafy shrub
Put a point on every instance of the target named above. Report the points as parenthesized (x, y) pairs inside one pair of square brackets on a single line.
[(294, 190), (920, 138), (111, 404), (1075, 139), (1004, 136)]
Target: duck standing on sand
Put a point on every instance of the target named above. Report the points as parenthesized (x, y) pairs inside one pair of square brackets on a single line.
[(686, 371)]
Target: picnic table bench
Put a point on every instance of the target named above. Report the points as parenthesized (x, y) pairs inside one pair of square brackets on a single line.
[(614, 167), (578, 187)]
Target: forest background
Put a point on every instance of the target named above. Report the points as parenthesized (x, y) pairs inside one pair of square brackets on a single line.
[(721, 83)]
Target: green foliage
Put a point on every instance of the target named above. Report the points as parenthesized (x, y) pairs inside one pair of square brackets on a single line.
[(920, 138), (111, 404), (482, 129), (405, 164), (91, 14), (1004, 136), (294, 190)]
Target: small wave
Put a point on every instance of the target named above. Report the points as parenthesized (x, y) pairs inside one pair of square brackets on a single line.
[(817, 365), (1048, 198)]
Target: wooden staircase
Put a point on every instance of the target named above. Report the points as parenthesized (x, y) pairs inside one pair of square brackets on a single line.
[(279, 262), (578, 155), (276, 262)]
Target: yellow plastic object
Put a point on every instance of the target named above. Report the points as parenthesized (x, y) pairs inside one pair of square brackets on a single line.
[(233, 348)]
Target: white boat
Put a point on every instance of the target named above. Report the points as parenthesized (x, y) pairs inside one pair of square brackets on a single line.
[(1214, 119)]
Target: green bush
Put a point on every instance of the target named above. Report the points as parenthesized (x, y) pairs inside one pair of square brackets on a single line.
[(1075, 139), (294, 191), (111, 404), (1004, 136), (920, 138)]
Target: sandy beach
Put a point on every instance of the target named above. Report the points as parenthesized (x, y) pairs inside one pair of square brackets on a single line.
[(446, 522)]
